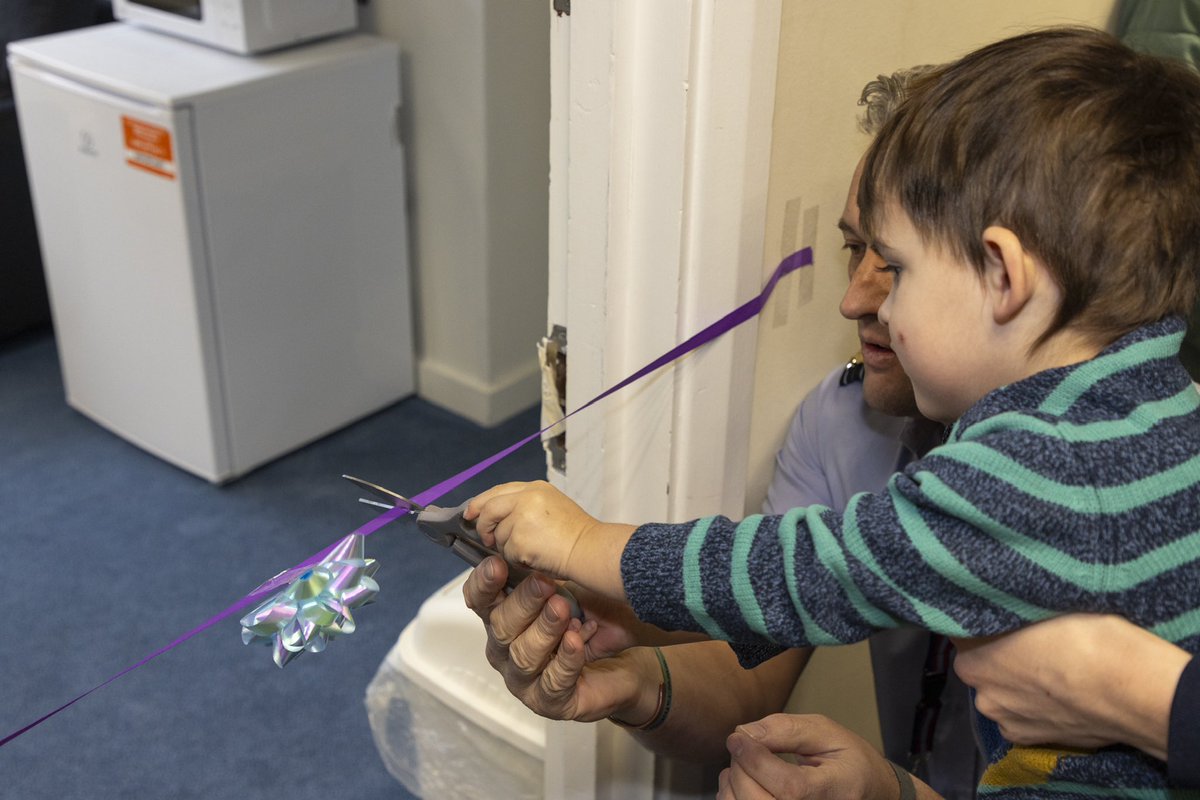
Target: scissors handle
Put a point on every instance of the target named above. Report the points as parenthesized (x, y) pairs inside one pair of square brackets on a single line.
[(449, 528)]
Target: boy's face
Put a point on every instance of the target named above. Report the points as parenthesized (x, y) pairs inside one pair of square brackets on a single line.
[(937, 318)]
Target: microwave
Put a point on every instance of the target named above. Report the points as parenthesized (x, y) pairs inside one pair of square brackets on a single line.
[(243, 26)]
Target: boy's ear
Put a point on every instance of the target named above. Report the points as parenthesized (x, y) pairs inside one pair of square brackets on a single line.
[(1009, 273)]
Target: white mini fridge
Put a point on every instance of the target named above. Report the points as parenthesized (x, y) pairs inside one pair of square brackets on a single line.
[(224, 237)]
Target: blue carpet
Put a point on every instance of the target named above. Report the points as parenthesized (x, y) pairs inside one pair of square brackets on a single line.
[(110, 553)]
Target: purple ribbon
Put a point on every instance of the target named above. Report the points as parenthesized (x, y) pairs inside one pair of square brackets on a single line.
[(742, 313)]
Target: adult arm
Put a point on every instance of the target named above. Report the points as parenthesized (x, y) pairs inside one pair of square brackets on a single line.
[(702, 716), (1089, 680), (827, 761)]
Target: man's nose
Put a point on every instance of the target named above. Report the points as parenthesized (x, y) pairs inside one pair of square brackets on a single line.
[(869, 287)]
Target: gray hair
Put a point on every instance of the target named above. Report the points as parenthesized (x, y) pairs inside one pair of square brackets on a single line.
[(881, 96)]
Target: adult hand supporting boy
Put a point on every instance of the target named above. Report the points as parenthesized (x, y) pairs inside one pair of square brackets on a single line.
[(537, 526), (1083, 680)]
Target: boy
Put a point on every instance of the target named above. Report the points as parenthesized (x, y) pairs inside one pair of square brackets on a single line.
[(1038, 203)]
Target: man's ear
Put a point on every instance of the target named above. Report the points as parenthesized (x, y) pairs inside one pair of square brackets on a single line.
[(1009, 273)]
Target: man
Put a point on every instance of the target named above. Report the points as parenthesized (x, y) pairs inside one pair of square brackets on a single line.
[(849, 435)]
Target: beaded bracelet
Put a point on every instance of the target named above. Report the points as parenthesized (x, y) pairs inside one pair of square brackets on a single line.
[(664, 700)]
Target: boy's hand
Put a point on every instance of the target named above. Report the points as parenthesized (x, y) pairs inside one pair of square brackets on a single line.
[(536, 525), (533, 524)]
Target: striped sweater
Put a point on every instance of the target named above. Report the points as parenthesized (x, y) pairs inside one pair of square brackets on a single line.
[(1077, 488)]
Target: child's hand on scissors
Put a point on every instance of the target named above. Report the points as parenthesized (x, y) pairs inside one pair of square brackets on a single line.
[(536, 525)]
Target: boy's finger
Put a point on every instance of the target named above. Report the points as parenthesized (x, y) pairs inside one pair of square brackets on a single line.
[(491, 515), (480, 500)]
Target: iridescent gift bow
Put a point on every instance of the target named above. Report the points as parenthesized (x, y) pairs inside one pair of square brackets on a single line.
[(742, 313), (316, 606)]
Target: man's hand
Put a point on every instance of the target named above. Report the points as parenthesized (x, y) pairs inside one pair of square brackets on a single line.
[(830, 762), (544, 655)]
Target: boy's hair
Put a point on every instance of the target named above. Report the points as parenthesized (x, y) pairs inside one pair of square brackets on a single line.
[(1087, 150)]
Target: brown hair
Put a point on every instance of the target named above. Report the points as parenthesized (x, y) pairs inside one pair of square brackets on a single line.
[(1087, 150)]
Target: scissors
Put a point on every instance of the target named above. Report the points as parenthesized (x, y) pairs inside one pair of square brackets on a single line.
[(448, 528)]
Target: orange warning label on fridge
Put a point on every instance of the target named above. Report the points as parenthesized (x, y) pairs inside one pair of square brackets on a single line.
[(148, 147)]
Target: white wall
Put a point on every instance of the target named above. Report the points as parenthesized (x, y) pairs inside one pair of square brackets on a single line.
[(827, 52), (475, 124)]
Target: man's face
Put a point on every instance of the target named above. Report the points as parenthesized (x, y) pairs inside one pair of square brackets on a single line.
[(886, 387)]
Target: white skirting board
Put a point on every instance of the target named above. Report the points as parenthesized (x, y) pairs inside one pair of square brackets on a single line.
[(482, 402)]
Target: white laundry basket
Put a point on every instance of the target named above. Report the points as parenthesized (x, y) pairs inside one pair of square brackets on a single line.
[(443, 720)]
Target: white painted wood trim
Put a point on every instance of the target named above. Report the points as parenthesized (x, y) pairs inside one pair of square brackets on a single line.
[(660, 143), (484, 403), (733, 71), (579, 95)]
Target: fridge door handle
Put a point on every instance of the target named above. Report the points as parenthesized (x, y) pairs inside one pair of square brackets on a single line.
[(78, 86)]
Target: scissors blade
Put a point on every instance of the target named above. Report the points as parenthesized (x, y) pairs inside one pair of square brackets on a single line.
[(377, 503), (448, 528), (390, 499)]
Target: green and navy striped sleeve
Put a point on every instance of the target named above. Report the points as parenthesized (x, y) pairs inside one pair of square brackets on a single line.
[(1076, 489)]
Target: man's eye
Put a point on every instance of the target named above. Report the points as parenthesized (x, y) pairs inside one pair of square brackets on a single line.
[(892, 268), (857, 249)]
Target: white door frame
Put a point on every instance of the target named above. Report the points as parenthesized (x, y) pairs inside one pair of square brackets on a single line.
[(660, 141)]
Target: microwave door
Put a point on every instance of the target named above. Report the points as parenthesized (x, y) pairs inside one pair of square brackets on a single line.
[(192, 9)]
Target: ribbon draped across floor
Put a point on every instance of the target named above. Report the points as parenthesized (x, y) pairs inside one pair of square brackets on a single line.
[(742, 313)]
